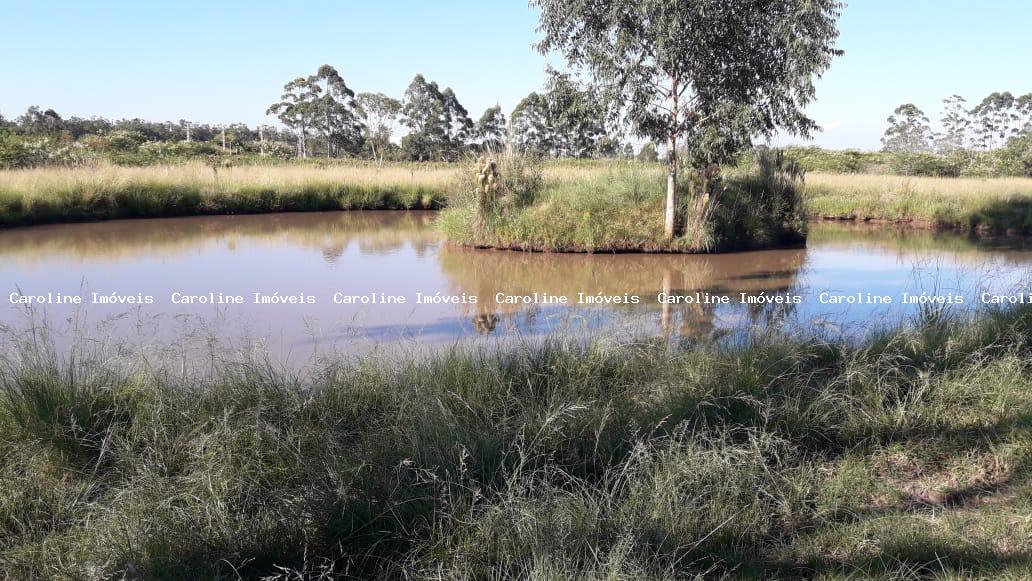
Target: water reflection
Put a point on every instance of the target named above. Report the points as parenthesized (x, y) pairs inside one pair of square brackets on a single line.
[(494, 276), (329, 232), (366, 253)]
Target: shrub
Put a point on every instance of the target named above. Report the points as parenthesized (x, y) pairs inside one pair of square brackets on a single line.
[(495, 183), (764, 205)]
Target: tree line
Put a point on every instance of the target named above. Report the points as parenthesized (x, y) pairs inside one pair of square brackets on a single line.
[(565, 119), (992, 137), (990, 124), (322, 116)]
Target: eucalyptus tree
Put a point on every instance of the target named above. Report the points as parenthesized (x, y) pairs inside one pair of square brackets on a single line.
[(459, 127), (908, 132), (37, 121), (491, 129), (648, 153), (996, 119), (529, 125), (296, 109), (711, 72), (422, 113), (380, 112), (565, 120), (1024, 107), (336, 113), (956, 123), (576, 115), (321, 102), (439, 125)]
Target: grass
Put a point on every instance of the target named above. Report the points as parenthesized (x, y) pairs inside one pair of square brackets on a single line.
[(95, 193), (620, 208), (907, 454), (997, 204), (588, 205)]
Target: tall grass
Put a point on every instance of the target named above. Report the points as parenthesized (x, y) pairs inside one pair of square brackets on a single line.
[(907, 454), (969, 203), (619, 208), (91, 193)]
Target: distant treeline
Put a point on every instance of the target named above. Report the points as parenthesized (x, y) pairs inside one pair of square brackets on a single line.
[(992, 138), (1014, 159), (323, 117)]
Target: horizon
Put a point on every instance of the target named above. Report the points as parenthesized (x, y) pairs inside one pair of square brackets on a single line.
[(164, 64)]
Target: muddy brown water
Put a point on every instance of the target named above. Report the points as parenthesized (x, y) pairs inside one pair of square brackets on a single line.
[(299, 284)]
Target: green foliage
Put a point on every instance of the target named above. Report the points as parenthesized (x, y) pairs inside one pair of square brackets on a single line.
[(648, 55), (16, 152), (846, 161), (908, 131), (617, 208), (1010, 160), (321, 102), (670, 68), (567, 119), (440, 127), (22, 151), (766, 207), (491, 129), (925, 163), (379, 113), (648, 153)]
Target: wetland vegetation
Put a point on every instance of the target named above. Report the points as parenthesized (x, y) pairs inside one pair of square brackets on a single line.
[(904, 454)]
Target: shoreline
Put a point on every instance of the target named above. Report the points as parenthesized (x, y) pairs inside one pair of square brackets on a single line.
[(919, 224), (915, 224)]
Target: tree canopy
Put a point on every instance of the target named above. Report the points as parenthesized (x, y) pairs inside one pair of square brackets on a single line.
[(908, 131), (439, 125), (321, 102), (711, 72)]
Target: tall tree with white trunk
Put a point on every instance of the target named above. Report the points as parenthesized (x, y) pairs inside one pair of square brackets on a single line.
[(706, 74)]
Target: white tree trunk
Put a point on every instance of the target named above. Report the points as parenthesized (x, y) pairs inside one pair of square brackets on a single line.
[(670, 227)]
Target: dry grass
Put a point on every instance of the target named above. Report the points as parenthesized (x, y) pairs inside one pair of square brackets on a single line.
[(93, 193), (990, 203), (39, 182), (961, 187), (71, 194)]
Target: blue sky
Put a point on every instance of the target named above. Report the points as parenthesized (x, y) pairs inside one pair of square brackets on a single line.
[(218, 61)]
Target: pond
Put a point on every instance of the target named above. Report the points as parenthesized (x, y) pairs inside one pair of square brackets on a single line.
[(306, 284)]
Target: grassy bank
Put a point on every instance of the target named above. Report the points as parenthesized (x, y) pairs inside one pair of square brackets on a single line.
[(997, 204), (97, 193), (907, 455), (587, 205)]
